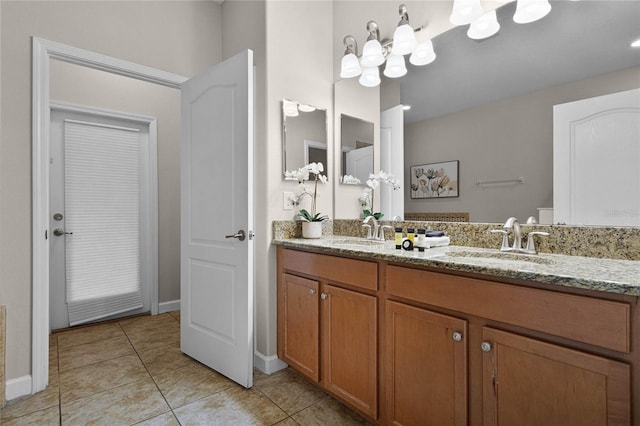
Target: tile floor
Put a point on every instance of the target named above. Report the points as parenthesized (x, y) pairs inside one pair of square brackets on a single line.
[(132, 372)]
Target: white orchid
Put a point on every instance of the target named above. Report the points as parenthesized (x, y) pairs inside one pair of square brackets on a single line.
[(302, 175), (366, 199), (352, 180)]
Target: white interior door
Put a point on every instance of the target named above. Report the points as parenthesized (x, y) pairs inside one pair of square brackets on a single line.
[(216, 283), (392, 160), (596, 160), (101, 185)]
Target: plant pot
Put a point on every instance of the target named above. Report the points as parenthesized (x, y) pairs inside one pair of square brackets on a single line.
[(311, 229)]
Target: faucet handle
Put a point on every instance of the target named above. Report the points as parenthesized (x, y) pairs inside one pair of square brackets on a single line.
[(505, 238), (369, 234), (382, 228), (531, 244)]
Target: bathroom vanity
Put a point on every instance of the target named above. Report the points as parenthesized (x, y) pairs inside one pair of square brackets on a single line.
[(460, 335)]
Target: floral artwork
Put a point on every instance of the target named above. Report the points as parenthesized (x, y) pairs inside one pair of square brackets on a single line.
[(436, 180)]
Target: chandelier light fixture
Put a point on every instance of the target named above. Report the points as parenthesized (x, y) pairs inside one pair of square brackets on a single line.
[(376, 52)]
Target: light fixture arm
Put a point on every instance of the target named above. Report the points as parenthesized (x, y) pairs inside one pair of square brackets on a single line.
[(404, 15), (374, 31), (350, 45)]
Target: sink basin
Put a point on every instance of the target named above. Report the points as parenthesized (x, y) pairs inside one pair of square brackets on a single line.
[(357, 242), (499, 255)]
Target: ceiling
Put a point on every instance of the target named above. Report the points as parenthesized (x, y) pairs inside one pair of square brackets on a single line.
[(576, 40)]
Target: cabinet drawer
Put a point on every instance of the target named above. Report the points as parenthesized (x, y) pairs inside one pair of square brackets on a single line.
[(584, 319), (358, 273)]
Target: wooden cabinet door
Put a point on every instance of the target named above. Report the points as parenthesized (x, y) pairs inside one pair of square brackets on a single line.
[(349, 347), (426, 367), (529, 382), (298, 324)]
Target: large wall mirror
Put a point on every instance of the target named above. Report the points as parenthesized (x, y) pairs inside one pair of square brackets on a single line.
[(489, 104), (356, 147), (304, 135)]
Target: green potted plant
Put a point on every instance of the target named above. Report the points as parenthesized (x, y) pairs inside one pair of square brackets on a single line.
[(311, 219)]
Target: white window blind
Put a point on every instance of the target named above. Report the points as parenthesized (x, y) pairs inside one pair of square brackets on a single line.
[(102, 210)]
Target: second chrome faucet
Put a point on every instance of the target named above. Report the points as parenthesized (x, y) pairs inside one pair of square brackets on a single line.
[(512, 224)]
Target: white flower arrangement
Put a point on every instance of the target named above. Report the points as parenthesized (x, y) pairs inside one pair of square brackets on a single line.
[(351, 180), (302, 175), (366, 198)]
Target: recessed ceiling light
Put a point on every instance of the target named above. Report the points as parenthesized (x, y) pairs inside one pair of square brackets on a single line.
[(406, 107), (636, 43)]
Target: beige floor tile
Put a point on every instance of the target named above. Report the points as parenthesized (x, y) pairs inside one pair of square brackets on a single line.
[(162, 360), (287, 422), (328, 412), (188, 384), (27, 405), (166, 419), (99, 377), (164, 337), (235, 406), (93, 333), (49, 417), (90, 353), (126, 404), (175, 314), (148, 322), (53, 367), (288, 390)]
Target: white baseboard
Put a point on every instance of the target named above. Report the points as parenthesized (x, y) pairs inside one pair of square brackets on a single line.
[(268, 364), (172, 305), (16, 388)]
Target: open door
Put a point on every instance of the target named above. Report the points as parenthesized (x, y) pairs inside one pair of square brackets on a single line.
[(217, 278)]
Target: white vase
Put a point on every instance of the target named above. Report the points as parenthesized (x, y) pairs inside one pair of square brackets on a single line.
[(311, 229)]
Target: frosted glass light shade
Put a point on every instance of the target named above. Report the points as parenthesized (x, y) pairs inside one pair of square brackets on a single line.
[(483, 27), (423, 54), (290, 109), (395, 66), (372, 54), (531, 10), (465, 11), (404, 40), (370, 77), (350, 66)]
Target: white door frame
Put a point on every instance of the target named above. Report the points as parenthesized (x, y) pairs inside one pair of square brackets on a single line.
[(43, 52), (149, 224)]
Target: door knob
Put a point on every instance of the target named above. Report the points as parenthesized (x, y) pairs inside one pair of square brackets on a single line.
[(239, 235), (59, 232)]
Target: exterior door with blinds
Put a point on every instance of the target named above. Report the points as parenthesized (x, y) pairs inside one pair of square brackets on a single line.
[(99, 194)]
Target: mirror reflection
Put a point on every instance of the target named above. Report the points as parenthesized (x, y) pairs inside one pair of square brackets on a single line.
[(490, 104), (356, 144), (304, 135)]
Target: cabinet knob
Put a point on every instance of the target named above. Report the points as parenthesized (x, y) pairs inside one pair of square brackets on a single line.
[(312, 291), (457, 336), (485, 346), (324, 296)]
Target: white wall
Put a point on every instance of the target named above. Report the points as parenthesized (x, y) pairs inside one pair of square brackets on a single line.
[(183, 37), (300, 67), (501, 140)]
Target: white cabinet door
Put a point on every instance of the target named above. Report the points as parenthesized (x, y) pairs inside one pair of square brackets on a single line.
[(216, 277), (596, 160)]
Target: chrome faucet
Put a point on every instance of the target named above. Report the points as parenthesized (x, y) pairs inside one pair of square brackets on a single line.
[(513, 224), (372, 233), (377, 232)]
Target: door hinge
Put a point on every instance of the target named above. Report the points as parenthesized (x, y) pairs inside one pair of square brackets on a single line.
[(46, 234)]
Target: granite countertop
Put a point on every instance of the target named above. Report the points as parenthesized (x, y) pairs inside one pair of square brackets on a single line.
[(608, 275)]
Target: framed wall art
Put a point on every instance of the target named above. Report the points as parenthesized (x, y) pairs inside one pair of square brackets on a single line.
[(435, 180)]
